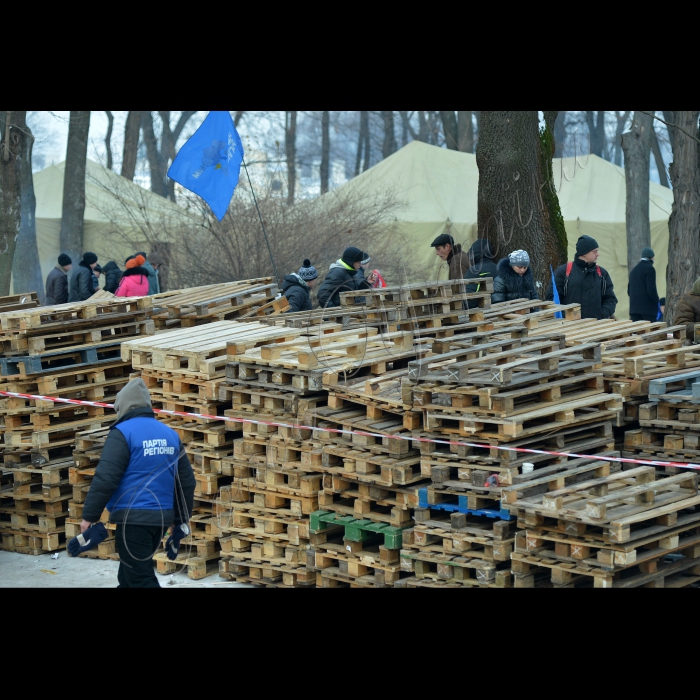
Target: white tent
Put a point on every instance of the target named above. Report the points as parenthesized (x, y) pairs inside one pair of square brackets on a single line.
[(117, 211), (439, 188)]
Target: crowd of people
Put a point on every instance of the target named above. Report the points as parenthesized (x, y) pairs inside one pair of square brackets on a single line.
[(139, 278)]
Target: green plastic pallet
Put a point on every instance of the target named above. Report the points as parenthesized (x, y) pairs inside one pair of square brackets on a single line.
[(358, 530)]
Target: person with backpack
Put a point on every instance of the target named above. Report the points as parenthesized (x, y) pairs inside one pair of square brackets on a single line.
[(644, 299), (514, 280), (345, 275), (584, 282)]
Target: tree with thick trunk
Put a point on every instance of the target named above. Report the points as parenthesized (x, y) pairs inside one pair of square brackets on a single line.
[(560, 135), (26, 269), (465, 132), (11, 142), (71, 233), (449, 128), (325, 150), (132, 129), (636, 145), (518, 205), (684, 223), (389, 145), (108, 138), (622, 119), (658, 157), (596, 130), (156, 161), (290, 143)]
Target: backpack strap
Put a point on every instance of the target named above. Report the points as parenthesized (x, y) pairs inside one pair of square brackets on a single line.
[(569, 266)]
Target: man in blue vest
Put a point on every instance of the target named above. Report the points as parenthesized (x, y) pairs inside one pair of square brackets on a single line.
[(145, 481)]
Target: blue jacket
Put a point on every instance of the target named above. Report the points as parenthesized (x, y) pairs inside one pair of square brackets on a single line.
[(136, 476)]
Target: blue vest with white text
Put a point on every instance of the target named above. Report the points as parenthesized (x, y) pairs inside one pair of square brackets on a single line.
[(149, 480)]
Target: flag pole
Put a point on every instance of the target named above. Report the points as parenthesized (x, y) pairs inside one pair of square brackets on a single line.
[(262, 223)]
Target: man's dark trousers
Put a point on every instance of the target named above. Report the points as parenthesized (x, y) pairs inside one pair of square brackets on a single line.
[(136, 545), (642, 317)]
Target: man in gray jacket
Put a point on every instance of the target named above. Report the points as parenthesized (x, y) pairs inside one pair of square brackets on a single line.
[(57, 281)]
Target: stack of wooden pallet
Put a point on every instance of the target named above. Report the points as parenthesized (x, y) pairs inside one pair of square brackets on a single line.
[(19, 302), (66, 351), (592, 524), (670, 422), (246, 299)]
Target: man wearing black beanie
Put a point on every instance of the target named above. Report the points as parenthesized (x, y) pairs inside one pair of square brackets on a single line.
[(644, 299), (344, 275), (584, 282), (57, 281), (81, 281)]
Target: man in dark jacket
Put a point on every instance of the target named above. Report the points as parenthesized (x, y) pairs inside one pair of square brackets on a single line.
[(297, 287), (81, 281), (57, 281), (644, 299), (449, 251), (112, 275), (153, 286), (584, 282), (482, 265), (145, 481), (344, 275)]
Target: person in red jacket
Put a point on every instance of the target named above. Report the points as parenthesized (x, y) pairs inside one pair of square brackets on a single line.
[(134, 281)]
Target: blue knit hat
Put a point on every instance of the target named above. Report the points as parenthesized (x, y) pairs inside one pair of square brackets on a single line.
[(307, 271)]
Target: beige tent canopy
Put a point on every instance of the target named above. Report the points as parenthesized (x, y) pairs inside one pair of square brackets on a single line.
[(438, 188), (117, 212)]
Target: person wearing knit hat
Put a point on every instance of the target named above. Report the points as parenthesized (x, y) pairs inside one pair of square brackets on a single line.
[(514, 279), (57, 281), (297, 287), (145, 480), (585, 282), (134, 280), (688, 311), (345, 275), (644, 298), (81, 286)]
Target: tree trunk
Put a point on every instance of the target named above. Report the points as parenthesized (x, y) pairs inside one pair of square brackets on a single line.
[(465, 132), (156, 162), (290, 142), (684, 223), (237, 118), (670, 117), (368, 144), (360, 142), (518, 205), (423, 128), (389, 145), (596, 130), (325, 150), (560, 135), (131, 144), (71, 234), (449, 128), (658, 157), (619, 129), (10, 193), (108, 138), (26, 269), (636, 144)]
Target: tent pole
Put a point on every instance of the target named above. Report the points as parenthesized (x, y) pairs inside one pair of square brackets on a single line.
[(262, 223)]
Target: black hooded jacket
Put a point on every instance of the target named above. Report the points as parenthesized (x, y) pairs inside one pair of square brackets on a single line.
[(113, 463), (509, 285), (340, 279), (81, 283), (482, 265), (298, 294), (112, 275), (586, 287)]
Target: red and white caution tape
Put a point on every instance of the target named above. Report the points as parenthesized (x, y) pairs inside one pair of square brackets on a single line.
[(505, 448)]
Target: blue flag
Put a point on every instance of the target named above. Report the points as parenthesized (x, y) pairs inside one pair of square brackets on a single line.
[(210, 162), (555, 297)]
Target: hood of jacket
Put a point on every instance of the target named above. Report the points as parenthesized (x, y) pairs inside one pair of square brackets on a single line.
[(456, 250), (291, 280), (61, 268), (82, 263), (134, 271), (479, 251), (134, 395), (508, 273), (340, 263), (111, 265)]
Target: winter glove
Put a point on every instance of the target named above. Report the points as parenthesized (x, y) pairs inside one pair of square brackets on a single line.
[(177, 533), (87, 540)]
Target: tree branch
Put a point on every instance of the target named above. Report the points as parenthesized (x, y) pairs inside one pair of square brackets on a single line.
[(680, 128)]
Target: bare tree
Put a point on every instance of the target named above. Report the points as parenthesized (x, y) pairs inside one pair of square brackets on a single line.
[(518, 205), (389, 145), (237, 118), (132, 130), (290, 143), (71, 232), (156, 160), (108, 138), (684, 223), (658, 158), (596, 129), (670, 117), (168, 143), (621, 123), (11, 145), (325, 150), (465, 132), (560, 135), (636, 144), (26, 269), (449, 127)]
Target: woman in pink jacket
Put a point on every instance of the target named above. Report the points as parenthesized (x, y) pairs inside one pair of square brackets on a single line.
[(134, 281)]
